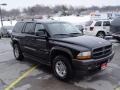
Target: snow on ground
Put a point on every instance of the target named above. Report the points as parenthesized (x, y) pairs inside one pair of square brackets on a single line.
[(9, 23), (74, 19)]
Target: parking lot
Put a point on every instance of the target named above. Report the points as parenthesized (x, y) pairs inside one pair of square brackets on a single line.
[(30, 75)]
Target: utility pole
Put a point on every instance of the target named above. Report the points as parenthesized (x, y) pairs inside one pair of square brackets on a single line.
[(1, 18)]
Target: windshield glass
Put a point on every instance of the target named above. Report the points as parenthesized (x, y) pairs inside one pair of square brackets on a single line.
[(63, 29), (88, 23)]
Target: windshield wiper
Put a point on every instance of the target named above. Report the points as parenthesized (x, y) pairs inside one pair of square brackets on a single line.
[(75, 33), (70, 34), (62, 34)]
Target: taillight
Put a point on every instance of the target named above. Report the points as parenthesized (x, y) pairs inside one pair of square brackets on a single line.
[(91, 28)]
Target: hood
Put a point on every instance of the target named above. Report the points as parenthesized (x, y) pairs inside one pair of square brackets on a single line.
[(86, 41)]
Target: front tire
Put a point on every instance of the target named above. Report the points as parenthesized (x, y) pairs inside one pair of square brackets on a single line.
[(62, 68), (17, 52)]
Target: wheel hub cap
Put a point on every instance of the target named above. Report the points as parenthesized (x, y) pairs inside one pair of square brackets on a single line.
[(60, 68)]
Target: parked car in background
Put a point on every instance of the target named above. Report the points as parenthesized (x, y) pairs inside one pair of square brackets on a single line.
[(61, 46), (99, 28), (9, 32), (115, 28), (6, 31)]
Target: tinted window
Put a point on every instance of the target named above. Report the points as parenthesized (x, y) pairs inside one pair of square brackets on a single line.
[(39, 27), (98, 23), (29, 28), (18, 27), (106, 23)]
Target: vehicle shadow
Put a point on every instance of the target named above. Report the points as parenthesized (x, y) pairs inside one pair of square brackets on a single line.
[(42, 67), (85, 77), (47, 69)]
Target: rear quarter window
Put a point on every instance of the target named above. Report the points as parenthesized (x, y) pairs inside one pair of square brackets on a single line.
[(18, 27), (29, 29)]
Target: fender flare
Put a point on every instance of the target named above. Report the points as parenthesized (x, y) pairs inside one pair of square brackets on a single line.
[(62, 49)]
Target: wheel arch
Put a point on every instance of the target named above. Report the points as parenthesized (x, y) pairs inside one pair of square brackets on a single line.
[(101, 31), (15, 42), (60, 51)]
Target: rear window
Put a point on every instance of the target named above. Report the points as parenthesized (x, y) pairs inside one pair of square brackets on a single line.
[(88, 23), (29, 28), (106, 23), (18, 27)]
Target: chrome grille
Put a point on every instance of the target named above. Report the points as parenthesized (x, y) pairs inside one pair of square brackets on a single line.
[(102, 52)]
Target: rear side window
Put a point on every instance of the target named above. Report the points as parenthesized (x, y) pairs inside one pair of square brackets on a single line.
[(106, 23), (18, 27), (98, 23), (29, 28), (39, 27)]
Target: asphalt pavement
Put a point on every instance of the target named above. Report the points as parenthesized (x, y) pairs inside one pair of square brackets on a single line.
[(30, 75)]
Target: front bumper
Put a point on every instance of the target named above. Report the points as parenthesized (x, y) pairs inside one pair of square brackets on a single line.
[(92, 64)]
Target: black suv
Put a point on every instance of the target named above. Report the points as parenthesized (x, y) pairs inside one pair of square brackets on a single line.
[(60, 45), (115, 28)]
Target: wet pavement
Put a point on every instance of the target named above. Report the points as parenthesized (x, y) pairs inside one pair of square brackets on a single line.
[(41, 78)]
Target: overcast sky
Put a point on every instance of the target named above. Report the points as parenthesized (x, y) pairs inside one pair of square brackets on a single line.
[(86, 3)]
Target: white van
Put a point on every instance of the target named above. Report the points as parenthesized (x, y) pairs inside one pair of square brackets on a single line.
[(99, 28)]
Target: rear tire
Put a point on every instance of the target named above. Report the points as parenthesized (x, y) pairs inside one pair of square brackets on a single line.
[(62, 68), (17, 52), (101, 35)]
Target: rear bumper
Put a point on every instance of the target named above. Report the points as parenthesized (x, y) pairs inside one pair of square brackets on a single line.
[(92, 64)]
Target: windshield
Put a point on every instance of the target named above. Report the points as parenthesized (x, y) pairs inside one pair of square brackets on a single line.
[(88, 23), (63, 29)]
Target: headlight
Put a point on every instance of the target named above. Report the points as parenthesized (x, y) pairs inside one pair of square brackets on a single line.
[(84, 55)]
